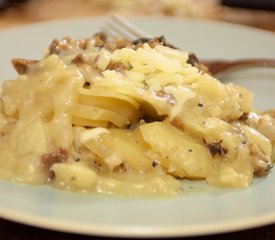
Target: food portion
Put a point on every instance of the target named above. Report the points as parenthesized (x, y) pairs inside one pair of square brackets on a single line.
[(121, 117)]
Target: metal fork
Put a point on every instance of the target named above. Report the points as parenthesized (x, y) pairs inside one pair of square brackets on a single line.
[(119, 27)]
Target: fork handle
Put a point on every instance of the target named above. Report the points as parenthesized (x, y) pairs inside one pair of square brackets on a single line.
[(218, 66)]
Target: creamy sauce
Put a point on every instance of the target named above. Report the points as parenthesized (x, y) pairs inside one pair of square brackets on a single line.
[(127, 121)]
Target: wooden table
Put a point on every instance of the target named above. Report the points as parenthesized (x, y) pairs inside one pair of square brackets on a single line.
[(39, 10)]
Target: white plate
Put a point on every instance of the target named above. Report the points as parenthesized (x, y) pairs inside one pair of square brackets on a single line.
[(202, 210)]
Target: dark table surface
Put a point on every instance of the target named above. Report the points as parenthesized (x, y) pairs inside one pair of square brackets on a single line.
[(38, 10), (15, 231)]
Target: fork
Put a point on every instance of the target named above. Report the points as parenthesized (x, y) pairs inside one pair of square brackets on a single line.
[(119, 27)]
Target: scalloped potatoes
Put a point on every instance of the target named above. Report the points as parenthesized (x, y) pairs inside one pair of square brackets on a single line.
[(113, 117)]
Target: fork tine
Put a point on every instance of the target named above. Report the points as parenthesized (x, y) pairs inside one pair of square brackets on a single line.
[(115, 30), (110, 31), (126, 29)]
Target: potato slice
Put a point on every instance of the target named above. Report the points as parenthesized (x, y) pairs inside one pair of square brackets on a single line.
[(115, 147), (181, 155), (126, 142), (151, 103), (98, 114), (84, 122), (120, 103), (74, 175), (149, 184), (108, 93)]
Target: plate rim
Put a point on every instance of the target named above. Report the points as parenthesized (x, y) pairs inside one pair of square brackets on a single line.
[(135, 231)]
